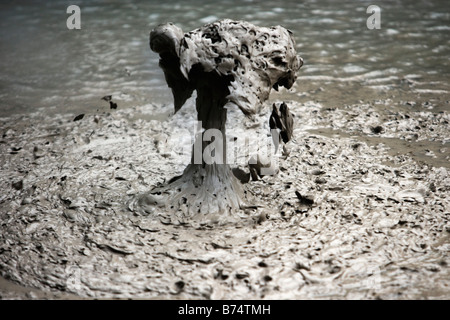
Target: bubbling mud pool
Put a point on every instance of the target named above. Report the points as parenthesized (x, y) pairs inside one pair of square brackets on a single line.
[(345, 217), (358, 209)]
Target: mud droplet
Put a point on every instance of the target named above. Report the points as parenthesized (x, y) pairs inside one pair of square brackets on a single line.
[(79, 117), (112, 105), (320, 181), (377, 129), (306, 200), (180, 285), (241, 275), (262, 264), (17, 185), (267, 278)]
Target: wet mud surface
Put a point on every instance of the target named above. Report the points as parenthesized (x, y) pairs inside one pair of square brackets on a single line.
[(359, 209)]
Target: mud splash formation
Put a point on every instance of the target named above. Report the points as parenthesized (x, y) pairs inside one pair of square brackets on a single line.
[(229, 63)]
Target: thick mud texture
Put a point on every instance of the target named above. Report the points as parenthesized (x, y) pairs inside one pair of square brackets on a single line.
[(352, 212)]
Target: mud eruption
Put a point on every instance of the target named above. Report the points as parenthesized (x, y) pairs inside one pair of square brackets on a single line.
[(228, 63)]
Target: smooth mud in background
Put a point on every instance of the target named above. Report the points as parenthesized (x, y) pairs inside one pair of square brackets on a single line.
[(358, 208)]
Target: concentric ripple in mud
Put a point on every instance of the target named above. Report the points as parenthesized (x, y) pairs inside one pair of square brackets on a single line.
[(345, 217)]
